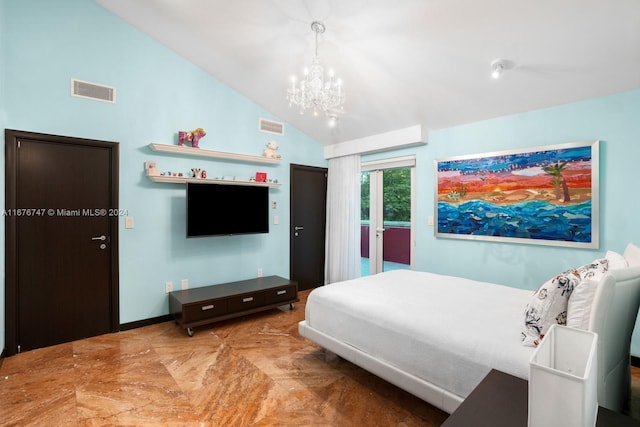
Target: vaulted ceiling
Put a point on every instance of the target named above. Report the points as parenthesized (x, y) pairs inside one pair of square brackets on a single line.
[(404, 62)]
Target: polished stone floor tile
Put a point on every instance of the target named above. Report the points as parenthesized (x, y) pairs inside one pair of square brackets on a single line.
[(251, 371)]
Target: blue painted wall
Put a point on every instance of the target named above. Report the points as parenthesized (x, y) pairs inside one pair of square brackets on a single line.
[(611, 119), (45, 44)]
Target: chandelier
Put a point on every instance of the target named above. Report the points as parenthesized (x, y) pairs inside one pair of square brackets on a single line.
[(315, 92)]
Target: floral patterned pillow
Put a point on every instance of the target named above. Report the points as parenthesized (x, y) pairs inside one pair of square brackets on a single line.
[(548, 306), (550, 303), (594, 270)]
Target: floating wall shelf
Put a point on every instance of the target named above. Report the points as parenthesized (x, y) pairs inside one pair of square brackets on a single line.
[(182, 179), (199, 152)]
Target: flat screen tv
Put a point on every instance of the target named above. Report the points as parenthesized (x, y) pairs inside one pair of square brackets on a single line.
[(223, 210)]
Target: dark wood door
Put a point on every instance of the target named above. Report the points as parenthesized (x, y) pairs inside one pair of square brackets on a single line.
[(308, 224), (62, 217)]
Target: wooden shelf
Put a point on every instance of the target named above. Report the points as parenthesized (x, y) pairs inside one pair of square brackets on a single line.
[(182, 179), (200, 152)]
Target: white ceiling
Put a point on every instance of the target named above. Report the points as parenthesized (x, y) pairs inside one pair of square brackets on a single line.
[(404, 62)]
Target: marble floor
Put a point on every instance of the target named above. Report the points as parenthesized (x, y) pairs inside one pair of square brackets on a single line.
[(256, 370)]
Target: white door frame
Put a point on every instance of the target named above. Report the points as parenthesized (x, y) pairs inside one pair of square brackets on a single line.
[(376, 226)]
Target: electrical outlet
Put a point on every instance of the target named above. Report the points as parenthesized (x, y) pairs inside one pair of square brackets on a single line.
[(168, 287), (259, 272), (430, 220), (184, 284), (128, 222), (276, 220)]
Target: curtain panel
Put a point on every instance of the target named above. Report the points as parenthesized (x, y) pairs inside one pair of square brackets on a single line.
[(343, 219)]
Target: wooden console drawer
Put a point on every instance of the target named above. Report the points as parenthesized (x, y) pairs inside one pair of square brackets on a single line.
[(204, 310), (284, 293), (245, 302), (207, 304)]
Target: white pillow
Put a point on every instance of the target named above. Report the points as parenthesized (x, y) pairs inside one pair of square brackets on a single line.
[(602, 303), (580, 303), (632, 255), (616, 261), (583, 295), (548, 306)]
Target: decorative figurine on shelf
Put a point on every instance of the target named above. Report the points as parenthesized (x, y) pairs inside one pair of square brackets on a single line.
[(192, 137), (151, 167), (261, 177), (270, 151), (196, 172), (203, 174)]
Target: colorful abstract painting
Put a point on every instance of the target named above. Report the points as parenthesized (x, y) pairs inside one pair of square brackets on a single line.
[(545, 195)]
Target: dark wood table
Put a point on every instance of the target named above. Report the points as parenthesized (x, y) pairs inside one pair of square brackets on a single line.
[(502, 400)]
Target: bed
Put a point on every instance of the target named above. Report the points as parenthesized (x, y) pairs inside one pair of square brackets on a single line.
[(438, 336)]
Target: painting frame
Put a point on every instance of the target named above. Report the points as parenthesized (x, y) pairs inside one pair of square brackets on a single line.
[(546, 195)]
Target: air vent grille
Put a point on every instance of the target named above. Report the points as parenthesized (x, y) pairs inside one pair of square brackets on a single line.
[(94, 91), (270, 126)]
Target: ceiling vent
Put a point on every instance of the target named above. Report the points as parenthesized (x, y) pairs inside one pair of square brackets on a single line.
[(270, 126), (94, 91)]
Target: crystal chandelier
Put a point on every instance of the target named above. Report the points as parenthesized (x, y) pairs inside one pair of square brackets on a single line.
[(316, 92)]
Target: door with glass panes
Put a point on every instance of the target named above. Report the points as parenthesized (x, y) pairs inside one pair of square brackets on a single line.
[(387, 230)]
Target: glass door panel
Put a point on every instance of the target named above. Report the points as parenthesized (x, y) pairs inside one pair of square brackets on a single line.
[(365, 179), (386, 233), (396, 213)]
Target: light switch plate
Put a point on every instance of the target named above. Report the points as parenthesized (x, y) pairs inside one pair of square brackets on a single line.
[(128, 222)]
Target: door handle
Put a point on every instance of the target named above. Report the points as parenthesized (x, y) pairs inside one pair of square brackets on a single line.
[(102, 238), (296, 228)]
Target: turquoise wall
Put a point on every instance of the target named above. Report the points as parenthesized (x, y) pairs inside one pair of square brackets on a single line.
[(158, 93), (611, 119)]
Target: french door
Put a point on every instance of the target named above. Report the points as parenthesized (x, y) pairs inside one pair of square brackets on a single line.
[(388, 212)]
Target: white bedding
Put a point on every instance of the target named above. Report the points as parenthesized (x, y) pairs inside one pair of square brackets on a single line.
[(424, 324)]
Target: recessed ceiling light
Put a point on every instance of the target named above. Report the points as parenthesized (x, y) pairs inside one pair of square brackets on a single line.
[(498, 66)]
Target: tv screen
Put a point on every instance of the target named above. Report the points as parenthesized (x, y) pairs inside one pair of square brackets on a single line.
[(218, 209)]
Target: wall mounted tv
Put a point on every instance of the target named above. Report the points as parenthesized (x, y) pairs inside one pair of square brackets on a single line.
[(223, 210)]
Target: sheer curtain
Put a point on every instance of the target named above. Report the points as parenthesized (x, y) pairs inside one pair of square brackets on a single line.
[(342, 260)]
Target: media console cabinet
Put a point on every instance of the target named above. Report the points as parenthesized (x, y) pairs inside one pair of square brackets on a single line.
[(201, 306)]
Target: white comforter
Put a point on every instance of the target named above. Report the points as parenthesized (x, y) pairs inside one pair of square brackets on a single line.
[(446, 330)]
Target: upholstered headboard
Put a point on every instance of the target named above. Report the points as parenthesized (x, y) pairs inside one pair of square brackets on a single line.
[(613, 318)]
